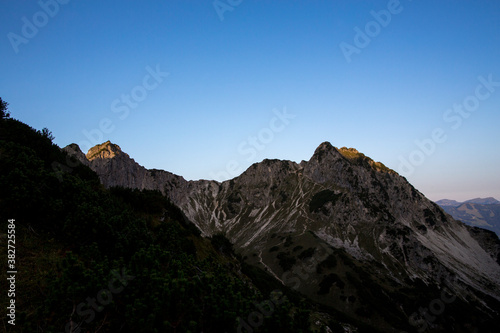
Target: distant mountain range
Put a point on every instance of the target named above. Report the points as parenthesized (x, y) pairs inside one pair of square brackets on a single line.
[(480, 201), (478, 212)]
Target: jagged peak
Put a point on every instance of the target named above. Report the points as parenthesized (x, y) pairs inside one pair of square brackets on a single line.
[(267, 165), (352, 155), (74, 146), (74, 150), (323, 150), (325, 146), (104, 150), (345, 150)]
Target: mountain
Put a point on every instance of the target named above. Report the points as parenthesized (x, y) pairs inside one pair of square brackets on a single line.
[(448, 202), (343, 230), (479, 212), (484, 201)]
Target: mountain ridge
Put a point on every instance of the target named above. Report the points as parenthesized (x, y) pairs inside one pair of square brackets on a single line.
[(372, 219)]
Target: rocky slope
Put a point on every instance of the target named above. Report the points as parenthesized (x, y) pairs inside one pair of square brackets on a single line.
[(344, 230)]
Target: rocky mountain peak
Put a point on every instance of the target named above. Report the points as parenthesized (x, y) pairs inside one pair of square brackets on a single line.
[(325, 147), (75, 151), (105, 150), (272, 166), (350, 152), (75, 148), (354, 156), (325, 152), (116, 168)]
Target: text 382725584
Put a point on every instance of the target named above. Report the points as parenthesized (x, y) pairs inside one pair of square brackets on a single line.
[(11, 273)]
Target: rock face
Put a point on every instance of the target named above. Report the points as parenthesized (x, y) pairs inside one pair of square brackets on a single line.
[(340, 228), (74, 150)]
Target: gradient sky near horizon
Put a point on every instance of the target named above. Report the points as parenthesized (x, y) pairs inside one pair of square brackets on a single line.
[(413, 84)]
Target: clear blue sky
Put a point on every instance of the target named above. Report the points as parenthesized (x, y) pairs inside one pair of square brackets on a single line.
[(376, 82)]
